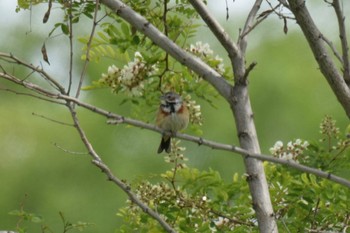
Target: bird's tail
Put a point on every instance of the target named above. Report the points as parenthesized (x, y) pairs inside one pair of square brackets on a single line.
[(165, 144)]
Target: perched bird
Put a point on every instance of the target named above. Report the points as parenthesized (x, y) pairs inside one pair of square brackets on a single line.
[(173, 115)]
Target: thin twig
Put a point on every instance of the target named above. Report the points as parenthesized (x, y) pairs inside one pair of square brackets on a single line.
[(343, 39), (315, 211), (28, 94), (81, 132), (71, 53), (69, 151), (52, 120), (88, 48), (334, 50), (216, 28), (250, 68), (132, 196), (249, 25), (31, 86), (52, 81)]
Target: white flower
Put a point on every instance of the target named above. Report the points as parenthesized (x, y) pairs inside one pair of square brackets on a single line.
[(278, 144), (195, 111), (218, 222), (132, 78), (290, 146), (298, 142), (112, 70), (138, 55), (305, 144), (276, 148), (201, 49), (287, 156), (221, 221)]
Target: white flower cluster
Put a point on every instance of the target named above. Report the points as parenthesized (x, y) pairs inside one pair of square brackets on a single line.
[(221, 221), (132, 78), (176, 156), (204, 51), (328, 127), (201, 49), (195, 111), (291, 151)]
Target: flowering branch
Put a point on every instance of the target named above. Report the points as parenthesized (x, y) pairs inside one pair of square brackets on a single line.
[(216, 28), (195, 64)]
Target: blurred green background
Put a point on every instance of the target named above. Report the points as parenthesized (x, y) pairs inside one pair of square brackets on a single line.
[(288, 94)]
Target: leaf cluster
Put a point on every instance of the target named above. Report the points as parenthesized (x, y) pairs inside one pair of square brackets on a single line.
[(119, 41), (72, 11), (201, 201)]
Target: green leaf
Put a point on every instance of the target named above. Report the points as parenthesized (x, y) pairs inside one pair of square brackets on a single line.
[(125, 29), (304, 178), (16, 213), (136, 40), (65, 29), (36, 219)]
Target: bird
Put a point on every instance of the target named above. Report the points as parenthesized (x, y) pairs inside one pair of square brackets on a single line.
[(172, 116)]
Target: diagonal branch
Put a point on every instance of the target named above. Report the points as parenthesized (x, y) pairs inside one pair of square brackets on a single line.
[(132, 196), (248, 24), (99, 163), (9, 57), (185, 58), (70, 24), (324, 60), (70, 102), (88, 47), (216, 28), (333, 48), (344, 43)]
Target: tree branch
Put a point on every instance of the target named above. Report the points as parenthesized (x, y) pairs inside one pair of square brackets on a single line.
[(237, 96), (333, 48), (9, 57), (70, 102), (248, 24), (99, 163), (344, 42), (132, 196), (119, 119), (185, 58), (326, 64), (70, 24), (230, 47), (88, 47)]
